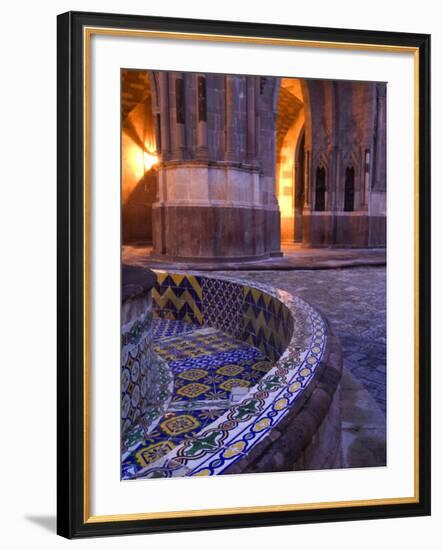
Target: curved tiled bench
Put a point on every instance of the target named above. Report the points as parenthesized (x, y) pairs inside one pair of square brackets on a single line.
[(290, 419), (144, 376)]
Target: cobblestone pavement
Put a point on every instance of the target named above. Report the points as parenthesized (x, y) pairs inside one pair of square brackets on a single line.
[(295, 257), (354, 302)]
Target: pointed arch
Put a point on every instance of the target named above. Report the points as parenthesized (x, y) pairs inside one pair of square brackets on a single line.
[(349, 189), (320, 188)]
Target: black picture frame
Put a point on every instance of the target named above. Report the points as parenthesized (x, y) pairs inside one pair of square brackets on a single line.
[(71, 393)]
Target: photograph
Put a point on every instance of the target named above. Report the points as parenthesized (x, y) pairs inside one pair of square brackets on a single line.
[(243, 274), (220, 257), (253, 274)]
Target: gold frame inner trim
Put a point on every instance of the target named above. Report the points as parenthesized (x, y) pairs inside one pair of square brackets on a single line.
[(87, 33)]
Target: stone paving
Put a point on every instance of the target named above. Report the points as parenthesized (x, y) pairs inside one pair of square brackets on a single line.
[(354, 302), (294, 256)]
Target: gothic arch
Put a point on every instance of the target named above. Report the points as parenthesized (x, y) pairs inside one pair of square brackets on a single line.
[(320, 188), (349, 189), (290, 133), (351, 159)]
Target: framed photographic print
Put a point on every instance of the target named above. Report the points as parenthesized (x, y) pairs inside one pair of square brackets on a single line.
[(243, 274)]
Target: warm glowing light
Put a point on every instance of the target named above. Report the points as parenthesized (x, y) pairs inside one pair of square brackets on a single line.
[(285, 206), (149, 160)]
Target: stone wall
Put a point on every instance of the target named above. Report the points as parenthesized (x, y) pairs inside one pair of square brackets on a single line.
[(345, 130)]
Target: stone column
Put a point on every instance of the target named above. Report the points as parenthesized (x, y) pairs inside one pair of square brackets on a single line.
[(307, 180), (297, 204), (251, 119), (333, 183), (376, 195), (164, 115), (177, 114), (366, 179), (230, 118), (201, 114), (379, 183), (217, 183)]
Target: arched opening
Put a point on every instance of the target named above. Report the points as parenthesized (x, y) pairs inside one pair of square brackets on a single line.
[(349, 190), (320, 189), (138, 156), (290, 124)]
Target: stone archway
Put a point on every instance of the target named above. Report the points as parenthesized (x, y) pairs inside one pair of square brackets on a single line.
[(290, 163)]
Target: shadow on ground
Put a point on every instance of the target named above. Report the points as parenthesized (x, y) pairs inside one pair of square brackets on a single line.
[(49, 523)]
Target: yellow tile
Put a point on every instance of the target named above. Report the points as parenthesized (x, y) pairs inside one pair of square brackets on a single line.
[(161, 276), (155, 296), (195, 285), (234, 449), (261, 425), (151, 453), (276, 305), (177, 278), (256, 294)]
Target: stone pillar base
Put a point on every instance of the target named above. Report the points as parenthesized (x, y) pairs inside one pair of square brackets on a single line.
[(343, 229), (184, 233)]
